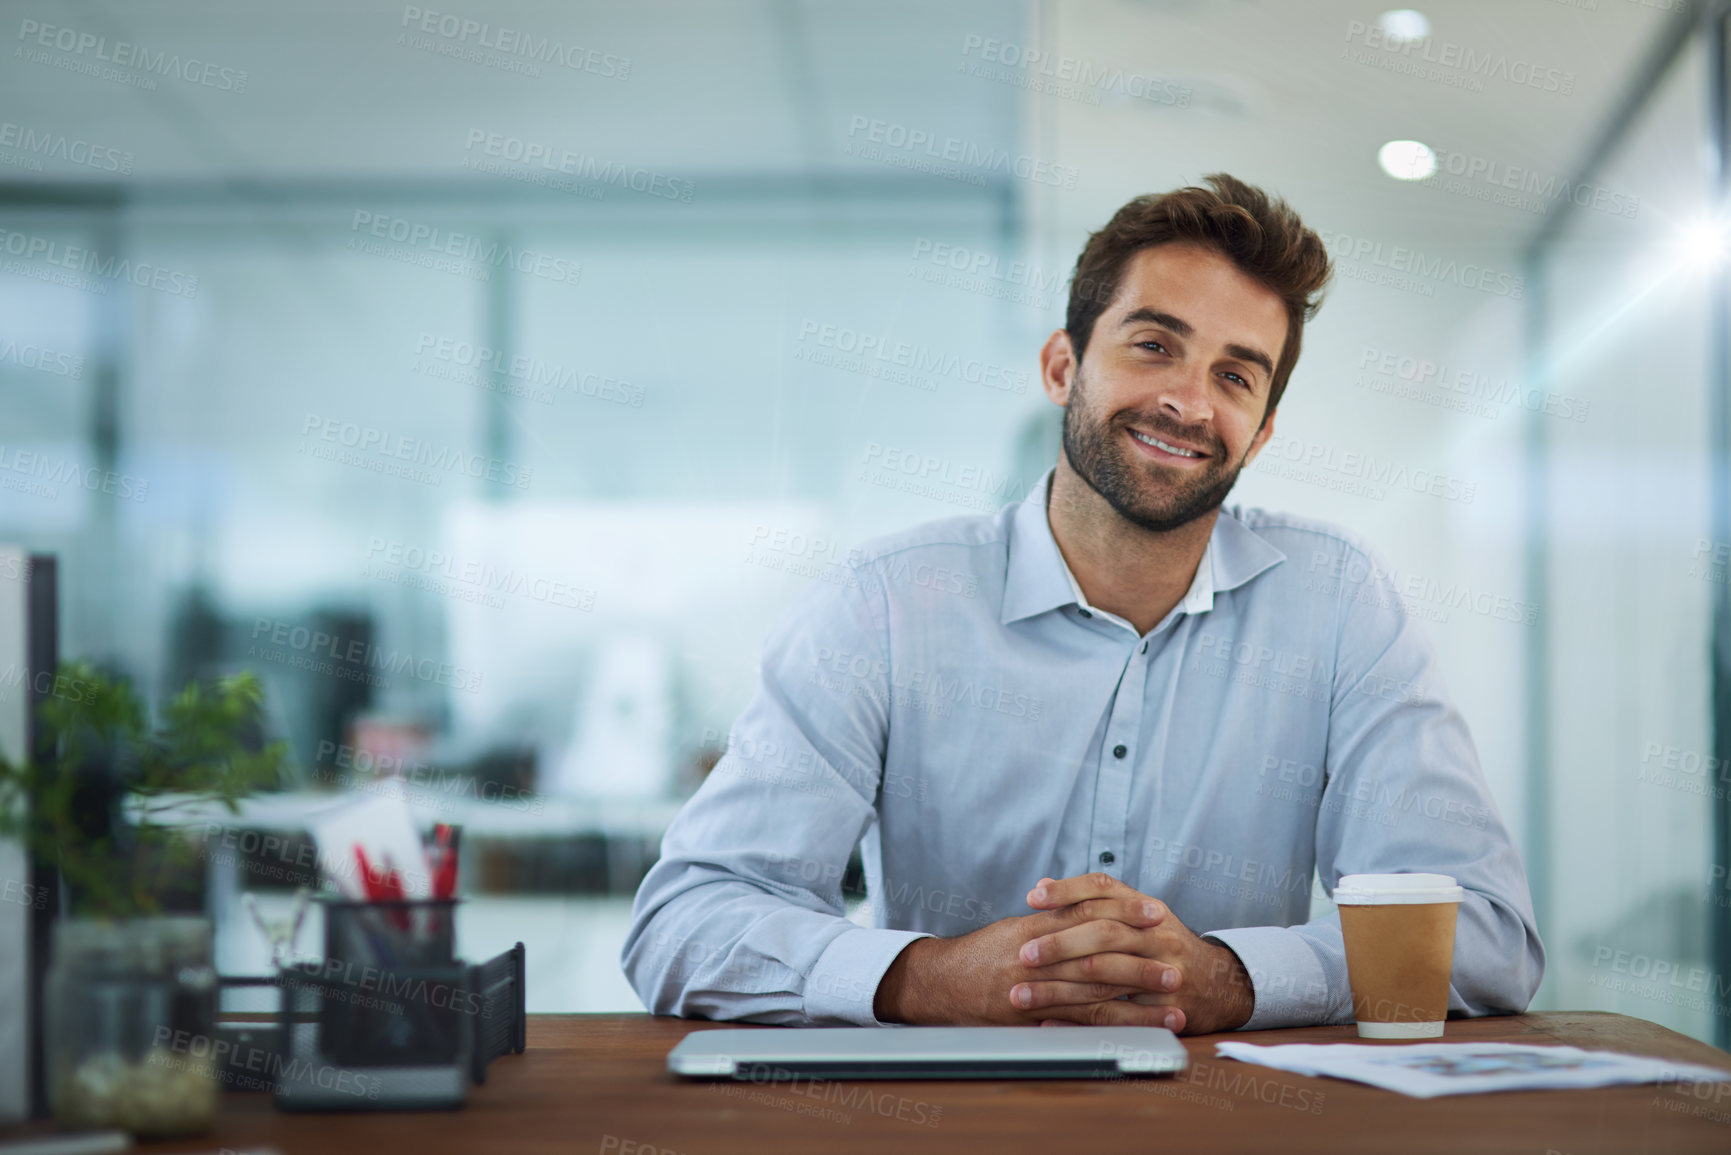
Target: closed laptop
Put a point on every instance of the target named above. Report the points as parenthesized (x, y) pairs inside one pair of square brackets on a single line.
[(927, 1053)]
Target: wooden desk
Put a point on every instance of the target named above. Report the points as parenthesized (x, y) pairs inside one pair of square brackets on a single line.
[(596, 1083)]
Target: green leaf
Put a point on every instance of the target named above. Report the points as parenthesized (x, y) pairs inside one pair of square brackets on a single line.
[(200, 747)]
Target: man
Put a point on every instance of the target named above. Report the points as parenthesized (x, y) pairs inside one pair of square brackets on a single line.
[(1112, 705)]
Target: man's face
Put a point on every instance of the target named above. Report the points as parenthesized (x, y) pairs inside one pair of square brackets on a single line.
[(1168, 403)]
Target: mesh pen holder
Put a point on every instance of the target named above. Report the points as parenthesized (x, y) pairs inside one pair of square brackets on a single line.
[(407, 933), (391, 1018)]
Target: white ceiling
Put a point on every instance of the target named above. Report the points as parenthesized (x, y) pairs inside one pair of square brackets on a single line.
[(744, 87), (769, 87), (1277, 103)]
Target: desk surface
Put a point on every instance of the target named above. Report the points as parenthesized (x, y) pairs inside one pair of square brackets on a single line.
[(597, 1083)]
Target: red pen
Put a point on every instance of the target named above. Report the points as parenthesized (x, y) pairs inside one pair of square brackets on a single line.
[(369, 884), (391, 890), (386, 885), (445, 841)]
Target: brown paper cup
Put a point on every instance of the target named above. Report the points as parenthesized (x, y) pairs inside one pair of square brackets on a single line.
[(1399, 932)]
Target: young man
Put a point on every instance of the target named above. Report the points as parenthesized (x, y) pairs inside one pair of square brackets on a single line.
[(1139, 718)]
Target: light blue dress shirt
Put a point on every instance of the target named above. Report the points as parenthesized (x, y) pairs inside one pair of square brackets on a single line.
[(949, 702)]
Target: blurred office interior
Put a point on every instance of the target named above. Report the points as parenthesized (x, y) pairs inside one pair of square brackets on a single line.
[(492, 402)]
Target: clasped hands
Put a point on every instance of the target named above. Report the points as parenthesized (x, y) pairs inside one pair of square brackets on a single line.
[(1096, 952)]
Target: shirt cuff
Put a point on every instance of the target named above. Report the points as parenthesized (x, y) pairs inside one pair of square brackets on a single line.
[(1287, 977), (844, 983)]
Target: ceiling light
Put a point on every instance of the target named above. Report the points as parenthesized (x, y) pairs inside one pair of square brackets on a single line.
[(1406, 160), (1404, 24)]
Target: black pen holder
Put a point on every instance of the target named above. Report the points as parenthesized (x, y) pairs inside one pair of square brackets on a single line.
[(391, 990), (390, 1018), (406, 934)]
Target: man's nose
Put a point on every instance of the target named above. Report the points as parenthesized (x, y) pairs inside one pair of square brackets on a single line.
[(1185, 396)]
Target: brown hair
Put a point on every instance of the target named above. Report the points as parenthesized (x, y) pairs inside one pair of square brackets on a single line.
[(1264, 238)]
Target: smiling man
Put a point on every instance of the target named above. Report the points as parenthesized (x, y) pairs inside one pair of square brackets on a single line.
[(1092, 782)]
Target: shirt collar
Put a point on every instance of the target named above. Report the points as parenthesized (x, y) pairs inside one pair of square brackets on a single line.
[(1039, 580), (1199, 598)]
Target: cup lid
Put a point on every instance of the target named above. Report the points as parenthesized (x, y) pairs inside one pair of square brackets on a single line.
[(1391, 889)]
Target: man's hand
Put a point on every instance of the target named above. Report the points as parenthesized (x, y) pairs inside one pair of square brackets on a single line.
[(1160, 962), (1102, 954), (968, 980)]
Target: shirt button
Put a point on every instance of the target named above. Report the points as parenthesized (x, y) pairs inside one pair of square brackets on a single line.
[(1107, 857), (1120, 751), (1086, 614), (1144, 647)]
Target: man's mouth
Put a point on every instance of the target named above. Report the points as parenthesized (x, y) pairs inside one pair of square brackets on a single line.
[(1159, 447)]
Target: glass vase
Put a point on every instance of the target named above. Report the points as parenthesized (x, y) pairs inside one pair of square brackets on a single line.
[(130, 1008)]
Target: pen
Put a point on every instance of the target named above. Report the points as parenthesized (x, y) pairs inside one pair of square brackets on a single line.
[(445, 850)]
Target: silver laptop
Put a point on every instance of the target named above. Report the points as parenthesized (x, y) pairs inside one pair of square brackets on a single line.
[(927, 1053)]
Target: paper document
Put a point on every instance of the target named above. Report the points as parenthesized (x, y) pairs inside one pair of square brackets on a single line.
[(1426, 1070), (378, 823)]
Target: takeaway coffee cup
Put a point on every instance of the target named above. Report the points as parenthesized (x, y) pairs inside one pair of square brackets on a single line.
[(1399, 931)]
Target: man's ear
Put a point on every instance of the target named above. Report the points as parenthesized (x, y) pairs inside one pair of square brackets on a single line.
[(1057, 367), (1261, 439)]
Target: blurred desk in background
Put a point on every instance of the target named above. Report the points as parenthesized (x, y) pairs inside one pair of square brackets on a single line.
[(527, 817), (629, 829), (573, 914)]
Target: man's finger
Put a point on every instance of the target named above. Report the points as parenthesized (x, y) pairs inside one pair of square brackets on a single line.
[(1136, 910), (1143, 975), (1025, 996), (1088, 938), (1049, 893), (1114, 1013), (1141, 913)]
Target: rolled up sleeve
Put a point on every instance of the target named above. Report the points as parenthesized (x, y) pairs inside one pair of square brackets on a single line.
[(742, 917)]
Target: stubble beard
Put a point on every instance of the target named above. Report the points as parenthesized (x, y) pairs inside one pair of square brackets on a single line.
[(1145, 493)]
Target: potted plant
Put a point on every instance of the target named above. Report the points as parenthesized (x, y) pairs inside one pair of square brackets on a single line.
[(131, 994)]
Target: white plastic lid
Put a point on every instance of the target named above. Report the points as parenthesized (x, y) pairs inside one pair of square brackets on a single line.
[(1430, 1030), (1391, 889)]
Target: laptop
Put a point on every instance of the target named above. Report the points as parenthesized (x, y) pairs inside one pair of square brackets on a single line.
[(927, 1053)]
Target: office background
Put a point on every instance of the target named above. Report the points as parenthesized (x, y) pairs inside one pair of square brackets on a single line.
[(489, 379)]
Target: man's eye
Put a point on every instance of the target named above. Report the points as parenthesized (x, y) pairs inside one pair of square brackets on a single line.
[(1152, 344), (1239, 379)]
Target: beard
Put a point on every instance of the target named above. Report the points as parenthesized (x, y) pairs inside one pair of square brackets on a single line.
[(1149, 494)]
